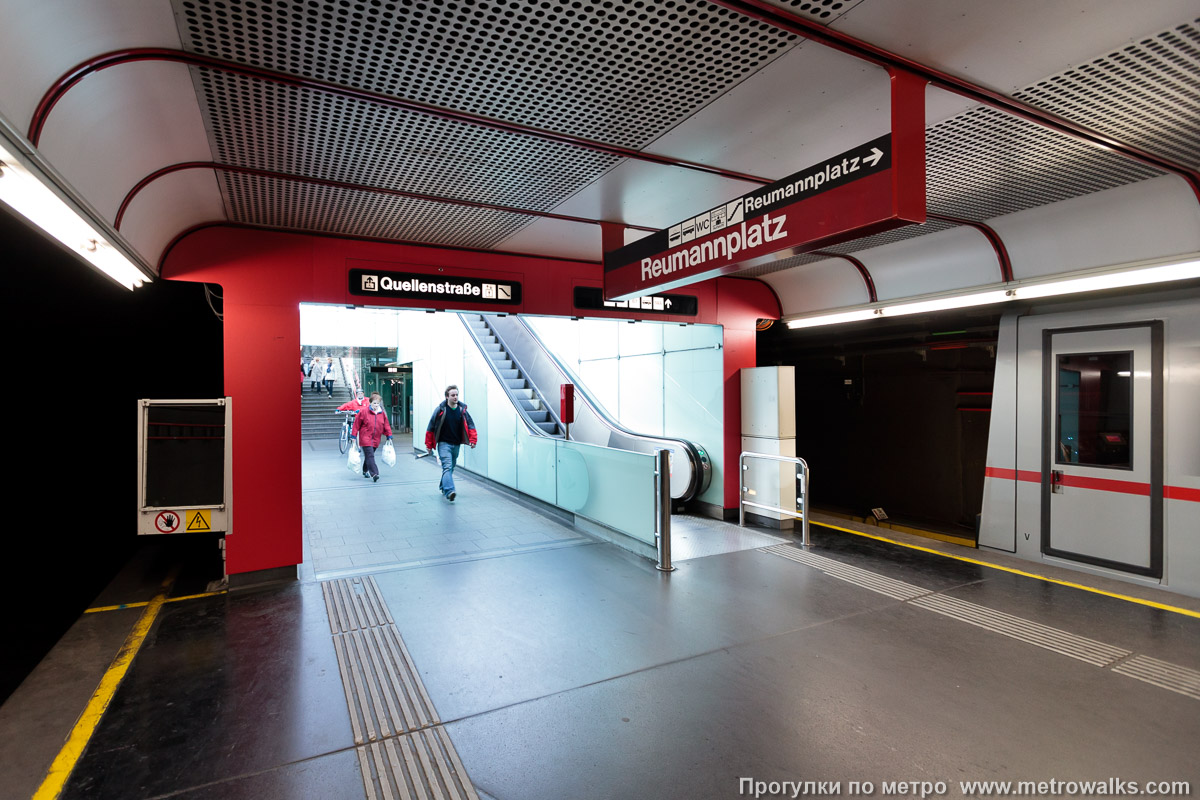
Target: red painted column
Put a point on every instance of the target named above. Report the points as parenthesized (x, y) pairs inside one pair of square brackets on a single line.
[(908, 144), (263, 280), (741, 302)]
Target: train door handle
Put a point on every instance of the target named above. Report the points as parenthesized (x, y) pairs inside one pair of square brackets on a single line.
[(1056, 484)]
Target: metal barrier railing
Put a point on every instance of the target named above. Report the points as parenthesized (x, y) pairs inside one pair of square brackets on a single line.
[(801, 511), (663, 473)]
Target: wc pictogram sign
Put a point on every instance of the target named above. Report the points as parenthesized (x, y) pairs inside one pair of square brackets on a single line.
[(166, 522)]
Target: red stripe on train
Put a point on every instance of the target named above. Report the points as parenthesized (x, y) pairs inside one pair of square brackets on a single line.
[(1032, 476), (1181, 493), (1098, 484)]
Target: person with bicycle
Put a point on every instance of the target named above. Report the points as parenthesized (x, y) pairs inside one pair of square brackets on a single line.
[(359, 403), (370, 426), (351, 408)]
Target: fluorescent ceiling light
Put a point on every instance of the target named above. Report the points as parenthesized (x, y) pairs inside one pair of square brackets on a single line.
[(1095, 281), (833, 319), (943, 303), (1111, 280), (27, 193)]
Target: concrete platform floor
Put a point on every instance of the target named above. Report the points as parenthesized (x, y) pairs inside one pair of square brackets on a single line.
[(577, 670)]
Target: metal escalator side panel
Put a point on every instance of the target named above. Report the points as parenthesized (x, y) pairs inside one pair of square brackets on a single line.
[(691, 475)]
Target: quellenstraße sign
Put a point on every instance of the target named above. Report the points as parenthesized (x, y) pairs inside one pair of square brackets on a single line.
[(437, 288), (845, 197)]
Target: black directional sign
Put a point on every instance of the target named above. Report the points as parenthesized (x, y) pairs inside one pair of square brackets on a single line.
[(415, 286), (591, 298)]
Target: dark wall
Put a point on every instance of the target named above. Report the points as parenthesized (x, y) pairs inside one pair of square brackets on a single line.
[(83, 352), (883, 415)]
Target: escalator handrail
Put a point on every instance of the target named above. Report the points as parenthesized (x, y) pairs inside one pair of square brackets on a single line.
[(521, 368), (521, 412)]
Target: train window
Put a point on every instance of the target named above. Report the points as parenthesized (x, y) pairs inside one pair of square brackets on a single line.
[(1095, 409)]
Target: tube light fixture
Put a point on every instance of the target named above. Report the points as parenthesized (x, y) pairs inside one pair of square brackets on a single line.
[(833, 319), (944, 303), (29, 194), (1092, 281), (1111, 280)]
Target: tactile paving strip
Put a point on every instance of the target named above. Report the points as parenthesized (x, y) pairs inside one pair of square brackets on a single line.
[(403, 751), (1060, 641), (898, 590), (1164, 674)]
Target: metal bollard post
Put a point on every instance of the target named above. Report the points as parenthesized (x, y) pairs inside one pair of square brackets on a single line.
[(804, 502), (664, 512)]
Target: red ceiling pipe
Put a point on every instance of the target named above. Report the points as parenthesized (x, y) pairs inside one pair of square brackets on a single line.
[(787, 21), (860, 266), (118, 57), (340, 185), (1006, 273)]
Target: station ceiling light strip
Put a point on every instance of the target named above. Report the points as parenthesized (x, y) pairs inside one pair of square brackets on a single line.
[(1123, 276), (30, 189)]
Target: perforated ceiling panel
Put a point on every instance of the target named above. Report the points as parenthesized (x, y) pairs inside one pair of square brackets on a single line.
[(295, 205), (983, 164), (1145, 94), (312, 133), (618, 72)]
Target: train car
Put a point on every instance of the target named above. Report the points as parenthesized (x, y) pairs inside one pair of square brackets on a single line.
[(1094, 447)]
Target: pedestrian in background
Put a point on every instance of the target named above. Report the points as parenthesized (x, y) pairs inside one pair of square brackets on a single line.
[(314, 372), (329, 377), (449, 429)]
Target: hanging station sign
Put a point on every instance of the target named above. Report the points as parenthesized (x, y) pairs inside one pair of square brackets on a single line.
[(591, 298), (867, 189), (437, 288)]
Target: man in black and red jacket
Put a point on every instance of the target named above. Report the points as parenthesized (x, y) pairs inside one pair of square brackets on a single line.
[(449, 429)]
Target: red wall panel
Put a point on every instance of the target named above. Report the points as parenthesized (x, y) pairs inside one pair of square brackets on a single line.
[(265, 276)]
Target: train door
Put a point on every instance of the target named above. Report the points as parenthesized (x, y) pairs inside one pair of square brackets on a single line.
[(1102, 461)]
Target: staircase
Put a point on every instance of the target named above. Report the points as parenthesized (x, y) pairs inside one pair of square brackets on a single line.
[(510, 372), (317, 417)]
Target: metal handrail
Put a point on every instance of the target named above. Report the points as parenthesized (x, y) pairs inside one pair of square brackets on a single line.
[(801, 501), (662, 474)]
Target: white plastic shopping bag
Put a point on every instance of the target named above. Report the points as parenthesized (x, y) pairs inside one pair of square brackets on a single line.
[(354, 460), (387, 453)]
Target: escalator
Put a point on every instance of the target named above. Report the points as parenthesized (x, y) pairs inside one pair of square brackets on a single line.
[(528, 371)]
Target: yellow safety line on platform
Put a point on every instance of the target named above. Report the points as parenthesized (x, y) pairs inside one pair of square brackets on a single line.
[(81, 734), (1138, 600), (147, 602)]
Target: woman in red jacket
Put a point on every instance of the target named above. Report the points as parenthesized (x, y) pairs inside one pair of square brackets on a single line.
[(370, 426)]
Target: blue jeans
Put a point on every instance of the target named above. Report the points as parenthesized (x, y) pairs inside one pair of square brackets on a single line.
[(448, 455)]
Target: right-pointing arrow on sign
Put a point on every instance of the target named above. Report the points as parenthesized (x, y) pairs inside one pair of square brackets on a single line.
[(873, 159)]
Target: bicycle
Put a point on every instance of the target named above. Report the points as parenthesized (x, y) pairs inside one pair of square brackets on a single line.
[(347, 427)]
